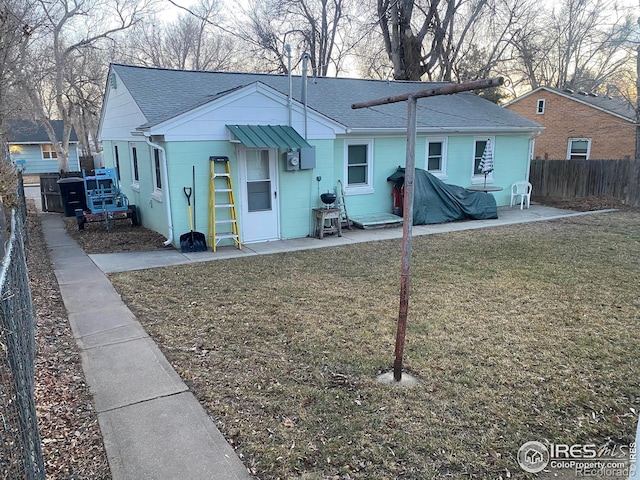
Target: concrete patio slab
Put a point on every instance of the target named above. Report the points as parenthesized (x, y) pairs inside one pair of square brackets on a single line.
[(97, 320), (82, 270), (140, 260), (67, 255), (78, 297), (175, 424), (129, 372), (119, 262), (119, 334)]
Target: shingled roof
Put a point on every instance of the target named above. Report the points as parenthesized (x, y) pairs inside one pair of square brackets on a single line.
[(27, 131), (615, 105), (162, 94)]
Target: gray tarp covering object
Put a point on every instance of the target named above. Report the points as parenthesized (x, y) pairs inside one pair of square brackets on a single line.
[(437, 202)]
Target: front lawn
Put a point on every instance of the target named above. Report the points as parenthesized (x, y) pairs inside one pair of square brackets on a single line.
[(519, 333)]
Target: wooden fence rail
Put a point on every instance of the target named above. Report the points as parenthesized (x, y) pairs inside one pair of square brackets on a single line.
[(567, 179)]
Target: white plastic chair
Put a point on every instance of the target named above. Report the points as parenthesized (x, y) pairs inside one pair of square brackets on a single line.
[(521, 191)]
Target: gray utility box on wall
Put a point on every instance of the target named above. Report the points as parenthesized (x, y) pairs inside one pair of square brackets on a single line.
[(307, 158)]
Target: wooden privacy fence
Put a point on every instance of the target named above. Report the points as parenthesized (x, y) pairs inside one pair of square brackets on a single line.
[(566, 179)]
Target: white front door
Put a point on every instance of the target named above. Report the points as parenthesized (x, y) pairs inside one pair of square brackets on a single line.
[(259, 190)]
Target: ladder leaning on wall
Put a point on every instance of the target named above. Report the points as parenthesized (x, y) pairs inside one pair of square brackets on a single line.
[(223, 217)]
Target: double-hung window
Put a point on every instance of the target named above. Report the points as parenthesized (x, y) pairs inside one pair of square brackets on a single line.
[(436, 157), (116, 156), (135, 173), (49, 152), (157, 175), (579, 149), (359, 166), (480, 145), (540, 106)]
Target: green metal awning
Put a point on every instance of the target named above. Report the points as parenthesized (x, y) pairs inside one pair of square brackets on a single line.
[(268, 136)]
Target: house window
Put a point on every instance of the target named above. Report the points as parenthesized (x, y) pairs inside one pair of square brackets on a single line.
[(579, 149), (540, 106), (479, 147), (436, 161), (359, 166), (117, 159), (134, 168), (157, 177), (259, 181), (49, 152)]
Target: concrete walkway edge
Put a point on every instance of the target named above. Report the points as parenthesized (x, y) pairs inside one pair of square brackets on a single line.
[(153, 427), (163, 257)]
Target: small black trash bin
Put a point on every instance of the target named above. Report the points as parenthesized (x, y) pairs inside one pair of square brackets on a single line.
[(72, 195)]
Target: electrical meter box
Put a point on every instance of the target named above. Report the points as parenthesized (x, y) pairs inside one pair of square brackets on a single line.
[(292, 160)]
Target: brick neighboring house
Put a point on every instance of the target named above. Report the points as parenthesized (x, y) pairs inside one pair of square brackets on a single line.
[(578, 125)]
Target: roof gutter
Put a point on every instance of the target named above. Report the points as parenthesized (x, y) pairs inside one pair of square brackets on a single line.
[(167, 198), (442, 130)]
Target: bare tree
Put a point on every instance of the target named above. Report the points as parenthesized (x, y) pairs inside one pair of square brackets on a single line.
[(320, 28), (425, 38), (86, 80), (17, 23), (582, 45), (144, 44), (195, 40), (265, 32), (70, 30), (319, 22)]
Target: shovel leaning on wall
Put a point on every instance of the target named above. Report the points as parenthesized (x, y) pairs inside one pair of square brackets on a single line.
[(192, 241)]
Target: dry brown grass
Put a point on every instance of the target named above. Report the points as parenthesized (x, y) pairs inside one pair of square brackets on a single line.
[(518, 333)]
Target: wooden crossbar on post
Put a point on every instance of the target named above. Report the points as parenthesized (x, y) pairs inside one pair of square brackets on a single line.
[(433, 92), (409, 174)]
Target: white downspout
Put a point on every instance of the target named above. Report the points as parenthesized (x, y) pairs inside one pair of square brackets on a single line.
[(165, 189), (532, 142)]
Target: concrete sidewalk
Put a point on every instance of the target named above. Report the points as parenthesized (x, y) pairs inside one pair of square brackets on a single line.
[(119, 262), (153, 426)]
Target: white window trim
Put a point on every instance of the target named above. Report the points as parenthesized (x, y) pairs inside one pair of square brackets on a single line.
[(359, 189), (135, 184), (442, 173), (157, 192), (543, 102), (478, 179), (116, 161), (51, 152), (579, 139)]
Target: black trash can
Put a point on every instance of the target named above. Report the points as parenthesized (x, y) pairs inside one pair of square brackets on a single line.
[(72, 195)]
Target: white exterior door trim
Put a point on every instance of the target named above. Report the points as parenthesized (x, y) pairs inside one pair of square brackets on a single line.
[(264, 225)]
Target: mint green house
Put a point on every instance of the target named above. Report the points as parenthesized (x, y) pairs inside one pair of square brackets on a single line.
[(287, 141)]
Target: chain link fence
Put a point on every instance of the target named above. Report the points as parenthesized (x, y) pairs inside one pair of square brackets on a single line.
[(20, 450)]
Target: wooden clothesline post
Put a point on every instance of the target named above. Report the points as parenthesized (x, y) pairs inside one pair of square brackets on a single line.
[(409, 174)]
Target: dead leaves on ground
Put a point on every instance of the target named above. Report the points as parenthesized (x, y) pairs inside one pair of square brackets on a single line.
[(71, 439)]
